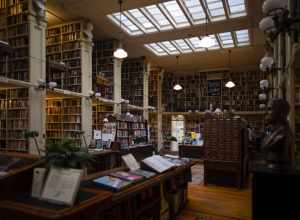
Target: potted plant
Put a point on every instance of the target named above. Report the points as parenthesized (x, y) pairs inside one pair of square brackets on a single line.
[(67, 155)]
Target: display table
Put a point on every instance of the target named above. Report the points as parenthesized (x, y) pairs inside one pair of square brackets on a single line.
[(191, 151), (19, 173), (275, 192), (138, 201)]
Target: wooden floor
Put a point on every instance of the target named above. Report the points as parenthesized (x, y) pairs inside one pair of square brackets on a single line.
[(217, 203)]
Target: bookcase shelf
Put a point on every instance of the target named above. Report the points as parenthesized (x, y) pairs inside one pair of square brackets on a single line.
[(64, 45), (130, 128), (199, 91), (133, 80), (103, 66), (14, 111), (63, 117), (100, 111)]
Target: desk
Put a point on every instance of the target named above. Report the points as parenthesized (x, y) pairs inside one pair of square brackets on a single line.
[(135, 202), (19, 175), (140, 151)]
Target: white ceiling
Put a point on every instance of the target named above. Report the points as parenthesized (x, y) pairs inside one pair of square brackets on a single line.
[(96, 11)]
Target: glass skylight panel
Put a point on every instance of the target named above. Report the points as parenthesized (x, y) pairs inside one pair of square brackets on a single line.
[(226, 39), (242, 37), (175, 14), (169, 47), (141, 20), (216, 46), (237, 8), (155, 14), (127, 25), (157, 50), (216, 10), (195, 10), (182, 45), (195, 42)]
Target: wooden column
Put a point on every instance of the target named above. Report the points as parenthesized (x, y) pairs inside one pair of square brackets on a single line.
[(37, 71), (160, 140), (146, 92), (117, 85)]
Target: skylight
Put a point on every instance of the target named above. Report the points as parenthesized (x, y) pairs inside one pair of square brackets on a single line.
[(216, 10), (127, 25), (242, 37), (195, 10), (216, 46), (176, 14), (237, 8), (169, 47), (144, 22), (189, 45), (155, 14), (226, 39), (157, 50), (182, 45), (195, 42)]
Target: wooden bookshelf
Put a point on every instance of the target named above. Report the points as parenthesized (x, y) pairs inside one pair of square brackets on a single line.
[(130, 128), (133, 80), (14, 111), (103, 66), (100, 111), (153, 128), (63, 116), (64, 45), (153, 88), (200, 90)]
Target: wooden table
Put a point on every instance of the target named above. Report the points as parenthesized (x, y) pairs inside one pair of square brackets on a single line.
[(191, 151), (140, 151), (139, 200), (104, 160), (19, 175)]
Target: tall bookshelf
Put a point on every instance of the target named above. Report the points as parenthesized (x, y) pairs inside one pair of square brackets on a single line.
[(64, 119), (21, 26), (100, 111), (64, 45), (200, 90), (14, 114), (133, 80), (153, 129), (103, 65)]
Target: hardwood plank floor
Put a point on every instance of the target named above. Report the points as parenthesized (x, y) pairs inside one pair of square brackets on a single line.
[(217, 203)]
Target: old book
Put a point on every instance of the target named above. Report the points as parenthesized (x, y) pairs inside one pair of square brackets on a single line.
[(112, 183), (127, 176), (158, 163)]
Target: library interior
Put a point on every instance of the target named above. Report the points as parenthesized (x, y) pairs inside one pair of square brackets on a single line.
[(149, 109)]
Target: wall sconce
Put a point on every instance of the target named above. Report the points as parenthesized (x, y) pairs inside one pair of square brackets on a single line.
[(278, 19)]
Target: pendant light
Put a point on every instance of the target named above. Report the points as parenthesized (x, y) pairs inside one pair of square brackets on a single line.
[(207, 41), (230, 84), (120, 53), (177, 87)]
